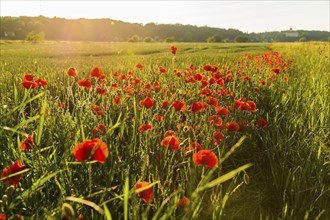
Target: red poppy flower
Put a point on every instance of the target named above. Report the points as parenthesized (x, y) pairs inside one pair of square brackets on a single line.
[(146, 195), (177, 72), (2, 216), (29, 84), (145, 127), (101, 78), (219, 110), (197, 107), (165, 104), (179, 105), (233, 126), (205, 157), (212, 101), (207, 67), (11, 169), (98, 110), (116, 100), (262, 123), (96, 72), (190, 79), (205, 91), (115, 74), (263, 82), (158, 118), (256, 89), (95, 149), (252, 105), (147, 102), (61, 105), (198, 77), (28, 77), (276, 70), (171, 142), (114, 85), (85, 83), (148, 86), (139, 66), (247, 106), (28, 143), (217, 136), (173, 49), (101, 91), (162, 69), (183, 202), (72, 72), (191, 67), (204, 83), (41, 82), (216, 119), (123, 77), (157, 89), (101, 129), (194, 146)]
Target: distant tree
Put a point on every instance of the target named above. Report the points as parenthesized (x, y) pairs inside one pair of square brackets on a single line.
[(17, 28), (210, 39), (214, 39), (280, 37), (218, 38), (35, 37), (241, 39), (169, 39), (134, 39), (148, 40)]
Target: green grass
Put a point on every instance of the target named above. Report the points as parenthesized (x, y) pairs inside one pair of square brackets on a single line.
[(290, 173)]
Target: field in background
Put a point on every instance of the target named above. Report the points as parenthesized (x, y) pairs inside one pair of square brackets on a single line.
[(290, 173)]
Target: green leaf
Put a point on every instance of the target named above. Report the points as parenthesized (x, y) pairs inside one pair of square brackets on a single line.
[(223, 178), (107, 212), (86, 202), (126, 196), (41, 120)]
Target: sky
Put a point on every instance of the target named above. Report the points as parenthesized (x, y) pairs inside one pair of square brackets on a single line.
[(247, 16)]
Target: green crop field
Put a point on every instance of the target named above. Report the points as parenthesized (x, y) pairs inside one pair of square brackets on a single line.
[(101, 130)]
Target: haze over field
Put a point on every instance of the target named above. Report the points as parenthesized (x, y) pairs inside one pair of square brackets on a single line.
[(247, 16)]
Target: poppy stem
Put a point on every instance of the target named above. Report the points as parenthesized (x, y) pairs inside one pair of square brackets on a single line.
[(89, 170)]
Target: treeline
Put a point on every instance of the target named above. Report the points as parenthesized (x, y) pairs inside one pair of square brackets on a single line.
[(19, 28)]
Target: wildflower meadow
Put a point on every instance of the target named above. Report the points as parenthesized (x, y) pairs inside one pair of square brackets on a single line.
[(92, 130)]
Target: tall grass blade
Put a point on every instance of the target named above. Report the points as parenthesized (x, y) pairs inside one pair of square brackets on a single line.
[(223, 178), (41, 120), (126, 196), (27, 121), (107, 213), (86, 202)]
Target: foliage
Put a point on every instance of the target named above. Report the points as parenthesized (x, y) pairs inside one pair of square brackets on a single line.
[(35, 37), (134, 39), (241, 39), (16, 28), (148, 40), (169, 39), (214, 39)]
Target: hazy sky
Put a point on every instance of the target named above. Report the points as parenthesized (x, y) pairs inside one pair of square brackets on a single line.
[(247, 16)]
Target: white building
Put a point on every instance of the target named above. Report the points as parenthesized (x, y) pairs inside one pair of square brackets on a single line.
[(291, 33)]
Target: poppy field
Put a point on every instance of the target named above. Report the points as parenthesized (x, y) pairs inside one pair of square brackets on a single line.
[(94, 130)]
